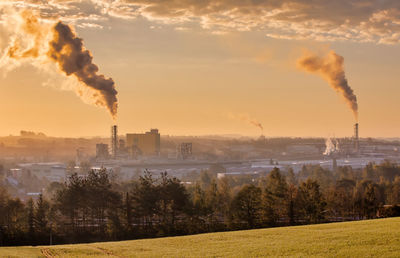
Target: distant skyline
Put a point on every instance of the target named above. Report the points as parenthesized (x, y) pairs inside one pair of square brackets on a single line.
[(189, 68)]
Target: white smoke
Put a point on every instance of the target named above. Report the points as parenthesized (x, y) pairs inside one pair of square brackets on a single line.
[(332, 146)]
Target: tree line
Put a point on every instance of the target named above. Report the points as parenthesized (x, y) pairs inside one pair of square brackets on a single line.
[(96, 207)]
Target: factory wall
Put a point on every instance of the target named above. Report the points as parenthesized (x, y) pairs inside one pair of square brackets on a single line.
[(147, 144)]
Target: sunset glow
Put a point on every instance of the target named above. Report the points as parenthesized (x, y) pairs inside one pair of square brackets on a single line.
[(186, 67)]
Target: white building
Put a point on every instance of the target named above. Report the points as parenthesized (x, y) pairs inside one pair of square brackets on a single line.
[(52, 171)]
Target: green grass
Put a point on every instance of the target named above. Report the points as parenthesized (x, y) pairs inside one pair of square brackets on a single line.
[(370, 238)]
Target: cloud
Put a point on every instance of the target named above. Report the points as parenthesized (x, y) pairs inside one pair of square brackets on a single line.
[(90, 25), (375, 21), (75, 12), (324, 20)]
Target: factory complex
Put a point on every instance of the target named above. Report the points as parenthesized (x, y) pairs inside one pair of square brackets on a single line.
[(129, 155)]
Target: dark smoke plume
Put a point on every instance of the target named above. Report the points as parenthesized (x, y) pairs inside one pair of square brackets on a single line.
[(257, 124), (330, 67), (67, 50)]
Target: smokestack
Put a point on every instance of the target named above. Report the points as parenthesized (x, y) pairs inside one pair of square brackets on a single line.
[(114, 141), (356, 139)]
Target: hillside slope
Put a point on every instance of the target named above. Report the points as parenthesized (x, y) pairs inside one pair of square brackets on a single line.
[(347, 239)]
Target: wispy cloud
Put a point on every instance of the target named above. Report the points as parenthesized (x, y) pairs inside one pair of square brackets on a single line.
[(340, 20)]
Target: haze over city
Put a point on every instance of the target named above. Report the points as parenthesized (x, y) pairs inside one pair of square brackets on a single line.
[(130, 128)]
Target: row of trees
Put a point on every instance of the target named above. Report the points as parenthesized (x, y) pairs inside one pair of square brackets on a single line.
[(95, 207)]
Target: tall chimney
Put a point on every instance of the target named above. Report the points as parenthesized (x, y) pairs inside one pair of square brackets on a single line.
[(114, 141), (356, 139)]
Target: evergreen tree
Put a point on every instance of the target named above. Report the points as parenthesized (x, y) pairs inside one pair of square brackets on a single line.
[(275, 196), (224, 198), (310, 201), (41, 214), (247, 204), (128, 210), (31, 219)]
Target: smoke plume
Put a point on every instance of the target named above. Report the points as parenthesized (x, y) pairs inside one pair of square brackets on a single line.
[(246, 118), (72, 58), (332, 146), (330, 67), (40, 44)]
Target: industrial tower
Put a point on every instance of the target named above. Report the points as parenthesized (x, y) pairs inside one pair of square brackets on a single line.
[(356, 139), (114, 141)]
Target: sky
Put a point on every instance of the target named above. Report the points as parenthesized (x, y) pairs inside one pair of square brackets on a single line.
[(190, 67)]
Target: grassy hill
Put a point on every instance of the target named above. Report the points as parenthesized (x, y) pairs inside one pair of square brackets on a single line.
[(378, 238)]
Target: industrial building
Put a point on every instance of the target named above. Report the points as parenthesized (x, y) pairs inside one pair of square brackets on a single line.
[(185, 150), (102, 151), (51, 171), (135, 145), (147, 144)]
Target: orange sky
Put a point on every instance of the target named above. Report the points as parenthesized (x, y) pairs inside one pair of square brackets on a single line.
[(186, 81)]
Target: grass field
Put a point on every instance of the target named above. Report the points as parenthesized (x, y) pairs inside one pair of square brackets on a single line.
[(371, 238)]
